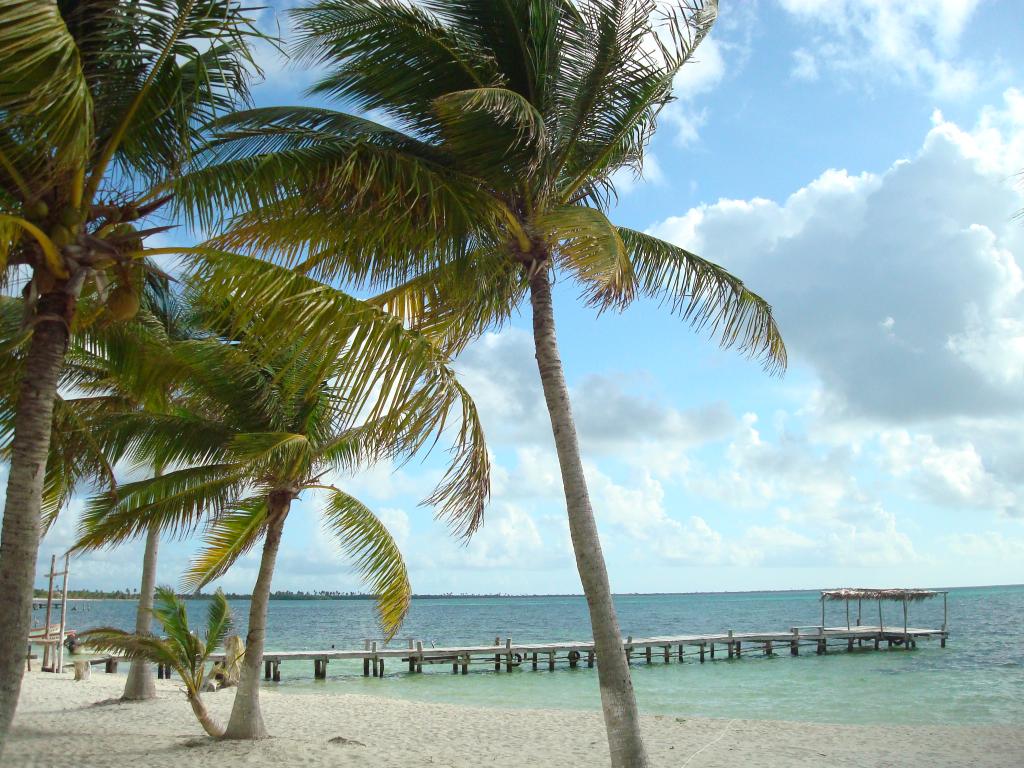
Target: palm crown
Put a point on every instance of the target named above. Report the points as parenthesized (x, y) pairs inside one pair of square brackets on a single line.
[(250, 428), (502, 124)]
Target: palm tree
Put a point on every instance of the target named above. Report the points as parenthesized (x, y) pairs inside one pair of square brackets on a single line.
[(182, 650), (254, 426), (105, 366), (101, 103), (502, 124)]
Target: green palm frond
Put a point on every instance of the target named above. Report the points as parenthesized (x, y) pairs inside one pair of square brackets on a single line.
[(131, 646), (706, 295), (375, 555), (218, 620), (230, 535), (175, 502)]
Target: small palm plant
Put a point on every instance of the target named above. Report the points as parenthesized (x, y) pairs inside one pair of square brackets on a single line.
[(182, 650)]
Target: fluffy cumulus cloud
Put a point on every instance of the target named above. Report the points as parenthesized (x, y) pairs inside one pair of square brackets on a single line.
[(901, 288), (914, 41), (901, 292)]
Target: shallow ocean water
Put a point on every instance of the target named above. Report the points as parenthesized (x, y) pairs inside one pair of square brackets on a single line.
[(977, 678)]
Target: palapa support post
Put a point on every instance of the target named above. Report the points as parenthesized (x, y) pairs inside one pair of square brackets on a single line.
[(366, 658), (847, 601), (63, 614), (508, 654), (859, 601), (823, 613), (419, 655), (47, 665)]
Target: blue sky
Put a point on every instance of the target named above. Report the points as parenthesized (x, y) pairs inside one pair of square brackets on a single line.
[(854, 161)]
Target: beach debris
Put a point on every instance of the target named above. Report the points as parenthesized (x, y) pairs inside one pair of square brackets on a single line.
[(345, 742)]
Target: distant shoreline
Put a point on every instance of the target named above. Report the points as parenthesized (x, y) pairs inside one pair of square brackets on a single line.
[(92, 595)]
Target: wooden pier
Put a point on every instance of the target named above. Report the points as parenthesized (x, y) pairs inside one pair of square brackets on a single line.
[(506, 655)]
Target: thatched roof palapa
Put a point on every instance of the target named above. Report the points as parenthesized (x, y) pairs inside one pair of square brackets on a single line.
[(897, 595)]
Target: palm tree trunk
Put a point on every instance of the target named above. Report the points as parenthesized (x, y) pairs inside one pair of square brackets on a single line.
[(19, 541), (621, 718), (246, 720), (210, 725), (140, 684)]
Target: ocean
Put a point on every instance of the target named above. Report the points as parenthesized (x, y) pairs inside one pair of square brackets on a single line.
[(977, 678)]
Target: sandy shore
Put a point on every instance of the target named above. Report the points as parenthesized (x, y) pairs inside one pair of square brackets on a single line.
[(62, 723)]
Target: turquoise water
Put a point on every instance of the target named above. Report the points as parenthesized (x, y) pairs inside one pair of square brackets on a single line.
[(977, 678)]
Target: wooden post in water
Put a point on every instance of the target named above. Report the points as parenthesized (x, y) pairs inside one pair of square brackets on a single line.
[(906, 637), (497, 656), (590, 659), (412, 659), (647, 654), (732, 650), (551, 661), (47, 665), (629, 648), (419, 655), (534, 661), (847, 613), (881, 623), (277, 671), (373, 649), (465, 664), (823, 612), (859, 601), (702, 653), (794, 644), (945, 619), (366, 659), (266, 669), (668, 653), (712, 650), (768, 648), (738, 649), (508, 654)]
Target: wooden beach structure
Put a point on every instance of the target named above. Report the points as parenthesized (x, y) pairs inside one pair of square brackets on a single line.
[(904, 596), (51, 635), (504, 654)]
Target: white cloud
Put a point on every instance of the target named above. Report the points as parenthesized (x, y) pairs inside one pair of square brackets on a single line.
[(914, 41), (902, 289)]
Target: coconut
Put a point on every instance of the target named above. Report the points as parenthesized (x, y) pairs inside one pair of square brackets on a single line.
[(122, 303)]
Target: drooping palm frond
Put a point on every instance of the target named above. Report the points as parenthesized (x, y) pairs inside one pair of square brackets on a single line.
[(229, 536), (706, 295), (375, 555)]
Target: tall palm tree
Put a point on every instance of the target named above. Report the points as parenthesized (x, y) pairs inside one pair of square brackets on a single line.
[(181, 649), (106, 373), (101, 103), (254, 426), (489, 170)]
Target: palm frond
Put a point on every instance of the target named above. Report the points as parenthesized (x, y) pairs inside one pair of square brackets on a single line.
[(230, 536), (375, 555), (707, 296)]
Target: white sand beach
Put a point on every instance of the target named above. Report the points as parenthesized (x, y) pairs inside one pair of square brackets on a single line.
[(82, 725)]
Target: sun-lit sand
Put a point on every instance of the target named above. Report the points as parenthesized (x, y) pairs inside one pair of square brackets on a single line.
[(64, 723)]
